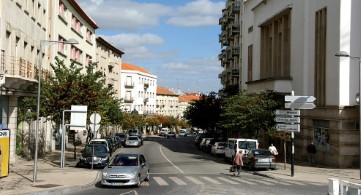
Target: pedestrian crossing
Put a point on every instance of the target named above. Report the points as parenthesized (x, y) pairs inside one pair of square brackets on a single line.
[(184, 180)]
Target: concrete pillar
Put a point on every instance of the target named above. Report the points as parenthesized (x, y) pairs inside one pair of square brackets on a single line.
[(333, 186), (13, 114)]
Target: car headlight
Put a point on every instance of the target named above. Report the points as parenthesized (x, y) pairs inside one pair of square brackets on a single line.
[(132, 174), (105, 174), (104, 159)]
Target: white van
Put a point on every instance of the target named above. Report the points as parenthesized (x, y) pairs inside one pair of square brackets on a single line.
[(233, 145)]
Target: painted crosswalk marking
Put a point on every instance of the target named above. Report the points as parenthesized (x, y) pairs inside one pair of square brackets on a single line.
[(277, 182), (260, 181), (227, 180), (144, 184), (194, 180), (243, 181), (178, 181), (293, 182), (211, 180), (160, 181)]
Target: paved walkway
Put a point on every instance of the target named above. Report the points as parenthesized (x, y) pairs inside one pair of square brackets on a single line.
[(51, 179)]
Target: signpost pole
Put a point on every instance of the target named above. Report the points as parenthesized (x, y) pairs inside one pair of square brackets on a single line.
[(293, 148)]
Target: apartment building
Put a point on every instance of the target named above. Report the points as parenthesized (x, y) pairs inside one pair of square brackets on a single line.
[(167, 102), (109, 60), (230, 40), (185, 100), (291, 46), (138, 89)]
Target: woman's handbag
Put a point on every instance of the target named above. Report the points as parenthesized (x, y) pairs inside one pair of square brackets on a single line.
[(232, 168)]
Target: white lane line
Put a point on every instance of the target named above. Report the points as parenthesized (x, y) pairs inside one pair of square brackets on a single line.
[(144, 184), (276, 182), (294, 182), (227, 180), (262, 182), (194, 180), (180, 170), (211, 180), (243, 181), (160, 181), (178, 181)]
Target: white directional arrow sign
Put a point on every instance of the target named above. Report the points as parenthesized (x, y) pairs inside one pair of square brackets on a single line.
[(288, 127), (300, 105), (287, 112), (285, 119), (299, 99)]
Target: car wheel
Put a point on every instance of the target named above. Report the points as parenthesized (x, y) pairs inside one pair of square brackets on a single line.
[(147, 178), (250, 167)]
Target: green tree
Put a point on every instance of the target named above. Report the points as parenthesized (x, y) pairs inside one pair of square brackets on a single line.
[(204, 113)]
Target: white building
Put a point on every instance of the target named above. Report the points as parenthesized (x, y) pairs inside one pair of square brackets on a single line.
[(138, 89), (290, 46), (185, 100), (167, 103)]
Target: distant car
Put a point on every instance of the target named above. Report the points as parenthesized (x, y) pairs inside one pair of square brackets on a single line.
[(96, 154), (133, 141), (218, 148), (182, 132), (164, 131), (122, 137), (125, 170), (171, 134), (259, 158), (102, 141)]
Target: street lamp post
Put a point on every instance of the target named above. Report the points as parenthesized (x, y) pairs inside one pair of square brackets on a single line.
[(356, 58), (43, 42)]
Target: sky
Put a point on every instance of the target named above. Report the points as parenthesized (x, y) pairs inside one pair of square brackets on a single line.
[(176, 40)]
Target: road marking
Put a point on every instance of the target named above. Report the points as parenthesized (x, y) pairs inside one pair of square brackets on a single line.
[(180, 170), (227, 180), (194, 180), (243, 181), (211, 180), (294, 182), (160, 181), (262, 182), (144, 184), (130, 192), (178, 181)]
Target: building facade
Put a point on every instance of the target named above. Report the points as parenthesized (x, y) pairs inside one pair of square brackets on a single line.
[(185, 100), (291, 46), (138, 89), (167, 103)]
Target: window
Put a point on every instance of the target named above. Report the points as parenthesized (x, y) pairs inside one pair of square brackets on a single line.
[(61, 44), (89, 35), (76, 24), (62, 10), (320, 56), (275, 46), (88, 59), (76, 54), (250, 62)]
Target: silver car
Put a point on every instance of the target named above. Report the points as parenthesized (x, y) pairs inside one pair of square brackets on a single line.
[(125, 170), (133, 141)]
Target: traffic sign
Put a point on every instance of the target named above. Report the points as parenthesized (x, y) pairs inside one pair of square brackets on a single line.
[(95, 118), (299, 99), (287, 112), (288, 127), (300, 105), (285, 119)]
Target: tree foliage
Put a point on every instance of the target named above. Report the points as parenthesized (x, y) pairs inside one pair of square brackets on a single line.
[(205, 112), (250, 113)]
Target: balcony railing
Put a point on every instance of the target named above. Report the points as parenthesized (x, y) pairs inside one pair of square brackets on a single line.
[(129, 85), (128, 100)]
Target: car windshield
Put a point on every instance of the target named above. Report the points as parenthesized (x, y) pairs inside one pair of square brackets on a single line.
[(124, 160), (121, 135), (97, 149), (221, 144), (262, 152), (132, 138), (246, 144), (98, 142)]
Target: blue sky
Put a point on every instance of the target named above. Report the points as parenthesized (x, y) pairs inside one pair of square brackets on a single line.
[(176, 40)]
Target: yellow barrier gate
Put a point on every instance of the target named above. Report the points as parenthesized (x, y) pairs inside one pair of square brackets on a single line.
[(4, 152)]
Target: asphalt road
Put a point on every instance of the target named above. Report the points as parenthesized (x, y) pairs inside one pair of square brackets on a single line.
[(177, 166)]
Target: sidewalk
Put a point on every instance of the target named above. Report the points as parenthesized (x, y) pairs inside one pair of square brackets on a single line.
[(51, 179)]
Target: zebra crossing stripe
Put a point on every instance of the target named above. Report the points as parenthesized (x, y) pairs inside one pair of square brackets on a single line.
[(227, 180), (160, 181), (276, 182), (194, 180), (178, 181), (262, 182), (211, 180), (293, 182), (243, 181)]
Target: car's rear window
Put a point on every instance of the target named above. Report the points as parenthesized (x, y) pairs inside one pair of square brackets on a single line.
[(247, 144), (132, 138), (262, 152)]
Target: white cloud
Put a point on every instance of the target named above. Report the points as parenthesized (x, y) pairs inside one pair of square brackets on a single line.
[(194, 66), (126, 15)]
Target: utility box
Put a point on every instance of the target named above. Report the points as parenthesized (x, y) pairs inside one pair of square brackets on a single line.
[(4, 152)]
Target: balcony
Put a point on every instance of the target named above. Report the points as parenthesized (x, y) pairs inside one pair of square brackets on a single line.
[(128, 100), (146, 100), (112, 64), (129, 85), (235, 72), (146, 86)]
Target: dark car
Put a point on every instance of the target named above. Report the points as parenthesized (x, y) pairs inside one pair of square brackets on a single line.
[(122, 137), (118, 141), (112, 145), (171, 134), (259, 158), (96, 154)]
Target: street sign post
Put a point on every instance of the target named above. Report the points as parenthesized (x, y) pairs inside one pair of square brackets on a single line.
[(288, 127), (287, 112), (285, 119)]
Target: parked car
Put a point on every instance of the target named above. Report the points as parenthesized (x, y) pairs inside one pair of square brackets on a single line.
[(203, 143), (122, 137), (99, 158), (125, 170), (259, 158), (233, 145), (133, 141), (101, 141), (118, 141), (182, 132), (171, 134), (208, 145), (163, 132), (218, 148), (112, 145)]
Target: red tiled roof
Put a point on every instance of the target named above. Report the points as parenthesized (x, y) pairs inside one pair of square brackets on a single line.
[(126, 66), (189, 97), (164, 91)]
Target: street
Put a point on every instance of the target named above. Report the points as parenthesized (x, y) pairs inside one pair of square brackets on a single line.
[(177, 166)]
